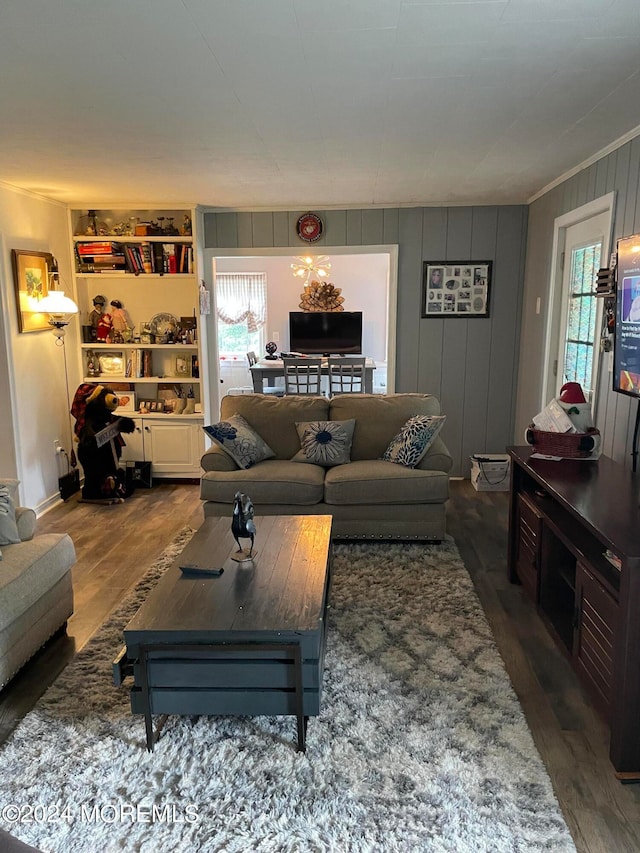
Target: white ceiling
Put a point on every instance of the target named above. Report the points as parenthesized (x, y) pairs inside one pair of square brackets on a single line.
[(311, 103)]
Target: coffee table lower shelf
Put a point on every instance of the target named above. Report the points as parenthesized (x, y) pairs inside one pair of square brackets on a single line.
[(251, 679)]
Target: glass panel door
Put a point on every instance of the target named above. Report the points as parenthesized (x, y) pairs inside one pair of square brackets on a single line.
[(582, 313)]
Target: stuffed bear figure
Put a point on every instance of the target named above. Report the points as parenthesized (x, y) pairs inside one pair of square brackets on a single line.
[(99, 453)]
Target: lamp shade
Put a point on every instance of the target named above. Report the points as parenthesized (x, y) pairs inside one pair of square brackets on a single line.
[(56, 303)]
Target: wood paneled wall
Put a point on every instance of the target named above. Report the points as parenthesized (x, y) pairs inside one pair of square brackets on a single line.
[(618, 171), (471, 365)]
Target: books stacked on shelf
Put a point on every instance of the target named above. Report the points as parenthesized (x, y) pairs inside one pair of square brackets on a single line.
[(144, 257), (104, 256)]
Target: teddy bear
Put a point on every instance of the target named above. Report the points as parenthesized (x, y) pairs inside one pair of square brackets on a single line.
[(93, 407)]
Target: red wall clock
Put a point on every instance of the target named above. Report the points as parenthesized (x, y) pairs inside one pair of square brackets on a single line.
[(309, 227)]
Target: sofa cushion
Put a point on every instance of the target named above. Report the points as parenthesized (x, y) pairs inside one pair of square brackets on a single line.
[(325, 443), (243, 444), (414, 439), (274, 418), (378, 482), (378, 418), (269, 482), (8, 527), (29, 569)]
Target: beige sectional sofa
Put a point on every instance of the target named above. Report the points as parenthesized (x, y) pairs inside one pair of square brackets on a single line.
[(36, 596), (367, 497)]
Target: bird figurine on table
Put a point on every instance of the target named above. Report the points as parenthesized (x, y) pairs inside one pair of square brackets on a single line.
[(242, 523)]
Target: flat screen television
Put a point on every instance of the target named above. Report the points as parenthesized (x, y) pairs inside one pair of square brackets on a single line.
[(626, 352), (325, 332)]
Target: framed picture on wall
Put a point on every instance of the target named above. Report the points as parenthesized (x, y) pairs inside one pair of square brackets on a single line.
[(31, 278), (456, 288)]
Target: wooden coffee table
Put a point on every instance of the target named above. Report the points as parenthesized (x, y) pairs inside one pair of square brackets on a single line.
[(249, 642)]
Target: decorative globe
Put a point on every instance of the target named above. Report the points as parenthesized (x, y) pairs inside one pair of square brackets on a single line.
[(271, 347)]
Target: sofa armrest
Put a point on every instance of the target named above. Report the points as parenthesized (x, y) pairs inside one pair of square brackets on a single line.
[(437, 458), (215, 459), (26, 523)]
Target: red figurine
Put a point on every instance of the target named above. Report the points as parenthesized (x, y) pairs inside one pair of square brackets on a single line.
[(105, 324)]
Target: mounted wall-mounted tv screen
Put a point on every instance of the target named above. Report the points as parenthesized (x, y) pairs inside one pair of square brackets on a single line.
[(325, 332), (626, 353)]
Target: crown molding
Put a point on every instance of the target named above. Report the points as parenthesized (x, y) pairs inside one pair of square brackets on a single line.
[(603, 152)]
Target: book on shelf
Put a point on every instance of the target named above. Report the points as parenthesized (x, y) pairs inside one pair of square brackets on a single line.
[(104, 260), (146, 362), (145, 252), (157, 258), (169, 257), (185, 264), (133, 259), (98, 248)]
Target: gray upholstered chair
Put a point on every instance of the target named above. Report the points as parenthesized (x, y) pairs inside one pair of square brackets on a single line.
[(346, 375), (302, 376)]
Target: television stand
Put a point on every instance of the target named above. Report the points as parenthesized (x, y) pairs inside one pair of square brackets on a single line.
[(563, 517)]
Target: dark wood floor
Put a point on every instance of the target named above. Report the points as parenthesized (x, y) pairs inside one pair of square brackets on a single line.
[(115, 545)]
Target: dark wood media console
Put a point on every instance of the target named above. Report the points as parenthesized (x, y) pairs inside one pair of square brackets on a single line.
[(563, 516)]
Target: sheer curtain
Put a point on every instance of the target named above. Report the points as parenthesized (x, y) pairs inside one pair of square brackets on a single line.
[(242, 298)]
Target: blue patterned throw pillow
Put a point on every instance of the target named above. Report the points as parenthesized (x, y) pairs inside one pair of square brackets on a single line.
[(325, 443), (240, 441), (414, 439)]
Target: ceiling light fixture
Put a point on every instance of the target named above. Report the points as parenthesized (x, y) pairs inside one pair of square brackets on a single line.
[(309, 266)]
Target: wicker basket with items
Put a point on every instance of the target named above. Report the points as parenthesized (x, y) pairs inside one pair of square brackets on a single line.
[(568, 445), (564, 429)]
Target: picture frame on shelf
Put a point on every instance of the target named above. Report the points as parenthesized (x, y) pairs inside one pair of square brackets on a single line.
[(151, 406), (31, 278), (111, 363), (456, 289), (182, 365), (126, 402)]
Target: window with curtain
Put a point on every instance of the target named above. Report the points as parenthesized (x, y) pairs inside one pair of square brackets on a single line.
[(241, 300)]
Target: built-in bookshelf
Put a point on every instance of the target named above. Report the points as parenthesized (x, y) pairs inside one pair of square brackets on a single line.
[(147, 345)]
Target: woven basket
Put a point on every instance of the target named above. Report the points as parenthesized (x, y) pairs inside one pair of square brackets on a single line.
[(571, 445)]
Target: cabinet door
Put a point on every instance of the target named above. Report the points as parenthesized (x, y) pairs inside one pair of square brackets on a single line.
[(596, 617), (133, 451), (528, 546), (174, 448)]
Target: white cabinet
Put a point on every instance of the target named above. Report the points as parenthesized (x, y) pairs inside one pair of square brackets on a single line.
[(173, 444)]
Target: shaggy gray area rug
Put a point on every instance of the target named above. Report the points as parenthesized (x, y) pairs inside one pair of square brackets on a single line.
[(421, 744)]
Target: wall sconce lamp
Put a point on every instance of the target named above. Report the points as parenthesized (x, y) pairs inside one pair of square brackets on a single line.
[(58, 306), (308, 266)]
